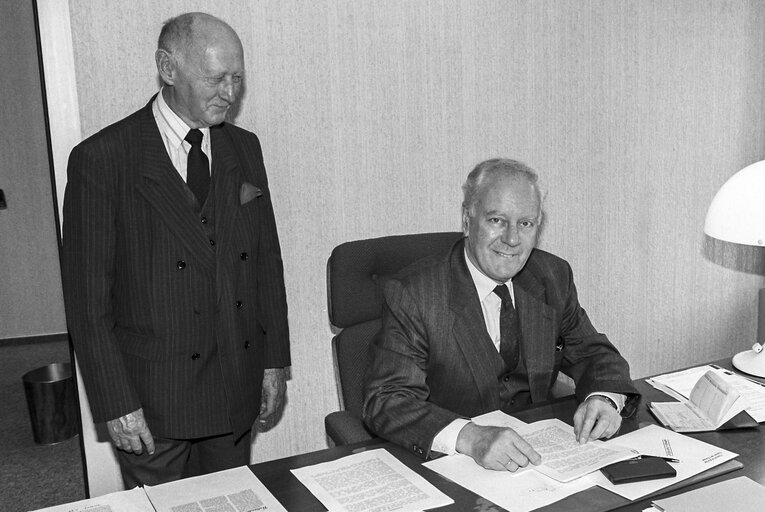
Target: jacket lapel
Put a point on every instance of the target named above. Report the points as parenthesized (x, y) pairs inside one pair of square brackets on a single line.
[(469, 330), (162, 187), (537, 323), (228, 177)]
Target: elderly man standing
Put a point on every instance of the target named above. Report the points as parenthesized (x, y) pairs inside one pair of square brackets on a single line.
[(173, 276), (488, 326)]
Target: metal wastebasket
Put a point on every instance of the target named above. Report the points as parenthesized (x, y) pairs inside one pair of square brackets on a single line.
[(52, 403)]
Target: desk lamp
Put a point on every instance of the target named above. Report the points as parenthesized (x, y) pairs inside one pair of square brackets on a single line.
[(737, 215)]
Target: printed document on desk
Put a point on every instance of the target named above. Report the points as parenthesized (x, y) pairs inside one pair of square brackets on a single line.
[(134, 500), (679, 385), (713, 402), (372, 480), (234, 490), (740, 494), (695, 456), (563, 459)]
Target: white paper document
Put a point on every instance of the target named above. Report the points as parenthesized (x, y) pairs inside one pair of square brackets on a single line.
[(531, 487), (232, 490), (517, 492), (680, 384), (563, 458), (372, 480), (741, 494), (695, 456), (713, 401), (134, 500)]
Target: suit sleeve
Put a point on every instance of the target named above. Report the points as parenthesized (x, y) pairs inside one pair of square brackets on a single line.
[(396, 404), (88, 276), (588, 356), (272, 296)]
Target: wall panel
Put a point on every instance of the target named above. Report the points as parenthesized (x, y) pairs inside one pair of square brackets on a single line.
[(371, 113)]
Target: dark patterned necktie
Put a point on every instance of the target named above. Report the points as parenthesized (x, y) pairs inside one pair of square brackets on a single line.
[(509, 329), (198, 167)]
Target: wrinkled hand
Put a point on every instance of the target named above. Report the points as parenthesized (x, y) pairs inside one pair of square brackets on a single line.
[(497, 448), (128, 431), (272, 400), (595, 418)]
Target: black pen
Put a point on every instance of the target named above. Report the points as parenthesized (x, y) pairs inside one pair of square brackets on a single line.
[(668, 459)]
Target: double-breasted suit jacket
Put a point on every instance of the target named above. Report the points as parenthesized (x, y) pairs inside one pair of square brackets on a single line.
[(172, 307), (433, 360)]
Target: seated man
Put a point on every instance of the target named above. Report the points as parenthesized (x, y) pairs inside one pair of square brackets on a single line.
[(488, 326)]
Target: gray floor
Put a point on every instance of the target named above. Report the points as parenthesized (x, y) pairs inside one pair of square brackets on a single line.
[(32, 476)]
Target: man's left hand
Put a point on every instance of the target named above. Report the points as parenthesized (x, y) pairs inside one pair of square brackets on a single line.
[(595, 418), (272, 401)]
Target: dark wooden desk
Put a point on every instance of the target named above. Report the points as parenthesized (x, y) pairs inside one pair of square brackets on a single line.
[(276, 475)]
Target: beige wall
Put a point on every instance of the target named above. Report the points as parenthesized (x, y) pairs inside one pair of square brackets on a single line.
[(31, 302), (371, 113)]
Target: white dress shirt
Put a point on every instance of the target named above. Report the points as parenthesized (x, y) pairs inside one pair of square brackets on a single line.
[(173, 130)]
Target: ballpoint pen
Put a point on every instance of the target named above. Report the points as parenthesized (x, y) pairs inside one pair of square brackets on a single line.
[(668, 459)]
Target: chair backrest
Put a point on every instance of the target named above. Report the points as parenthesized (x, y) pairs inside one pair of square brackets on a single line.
[(355, 273)]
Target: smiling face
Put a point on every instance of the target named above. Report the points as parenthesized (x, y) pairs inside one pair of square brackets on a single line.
[(205, 79), (502, 225)]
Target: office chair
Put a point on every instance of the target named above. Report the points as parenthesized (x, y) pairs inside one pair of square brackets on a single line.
[(355, 273)]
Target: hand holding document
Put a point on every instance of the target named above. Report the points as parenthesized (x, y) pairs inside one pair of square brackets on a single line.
[(713, 401), (563, 458)]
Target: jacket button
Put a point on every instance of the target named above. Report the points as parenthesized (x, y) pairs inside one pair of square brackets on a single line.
[(181, 264), (204, 220), (506, 378), (195, 356), (244, 256), (247, 344), (212, 242), (239, 304)]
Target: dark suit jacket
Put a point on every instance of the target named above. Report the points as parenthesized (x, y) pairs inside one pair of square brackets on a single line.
[(433, 360), (160, 317)]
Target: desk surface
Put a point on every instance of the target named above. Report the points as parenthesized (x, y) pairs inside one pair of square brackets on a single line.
[(276, 475)]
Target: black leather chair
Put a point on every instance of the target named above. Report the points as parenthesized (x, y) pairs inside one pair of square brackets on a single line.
[(355, 272)]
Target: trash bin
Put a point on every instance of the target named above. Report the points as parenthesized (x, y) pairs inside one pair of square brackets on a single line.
[(52, 403)]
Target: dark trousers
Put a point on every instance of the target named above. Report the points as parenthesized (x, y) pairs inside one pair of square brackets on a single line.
[(174, 459)]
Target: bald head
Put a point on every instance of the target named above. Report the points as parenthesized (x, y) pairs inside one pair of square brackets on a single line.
[(201, 62), (192, 31)]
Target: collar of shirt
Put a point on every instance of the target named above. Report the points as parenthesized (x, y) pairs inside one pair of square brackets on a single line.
[(485, 285), (490, 301), (173, 130)]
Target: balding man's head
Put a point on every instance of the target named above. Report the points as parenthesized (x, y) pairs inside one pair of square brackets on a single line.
[(201, 61)]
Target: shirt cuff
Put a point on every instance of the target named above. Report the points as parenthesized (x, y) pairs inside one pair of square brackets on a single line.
[(446, 440), (616, 398)]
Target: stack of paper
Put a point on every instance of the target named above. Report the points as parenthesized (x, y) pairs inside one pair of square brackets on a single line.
[(740, 494), (713, 402), (529, 489), (233, 489), (370, 481), (679, 385)]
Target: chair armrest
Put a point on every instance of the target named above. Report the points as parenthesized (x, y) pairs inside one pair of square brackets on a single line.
[(344, 428)]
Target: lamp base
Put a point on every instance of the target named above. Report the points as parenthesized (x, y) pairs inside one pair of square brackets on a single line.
[(750, 362)]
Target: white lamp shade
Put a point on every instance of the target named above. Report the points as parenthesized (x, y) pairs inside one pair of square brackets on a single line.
[(737, 212)]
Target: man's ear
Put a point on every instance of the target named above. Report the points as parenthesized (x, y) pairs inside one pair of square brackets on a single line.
[(165, 66), (465, 220)]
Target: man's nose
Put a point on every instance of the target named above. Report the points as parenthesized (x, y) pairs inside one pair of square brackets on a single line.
[(228, 90), (510, 236)]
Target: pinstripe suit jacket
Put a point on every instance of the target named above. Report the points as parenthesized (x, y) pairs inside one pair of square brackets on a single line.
[(160, 318), (433, 360)]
